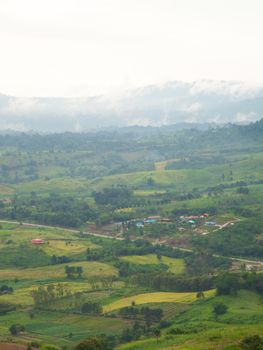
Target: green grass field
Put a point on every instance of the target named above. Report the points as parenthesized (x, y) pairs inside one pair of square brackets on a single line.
[(176, 266)]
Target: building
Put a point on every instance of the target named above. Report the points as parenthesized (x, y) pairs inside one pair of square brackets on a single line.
[(37, 241)]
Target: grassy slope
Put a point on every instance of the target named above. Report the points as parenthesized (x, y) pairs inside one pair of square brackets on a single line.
[(60, 328)]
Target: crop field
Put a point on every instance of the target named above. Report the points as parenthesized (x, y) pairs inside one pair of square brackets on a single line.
[(156, 297), (90, 269), (67, 248), (22, 296), (60, 328), (23, 233), (176, 266), (57, 241)]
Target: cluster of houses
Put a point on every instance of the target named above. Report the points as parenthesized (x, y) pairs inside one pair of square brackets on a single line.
[(193, 219), (151, 220)]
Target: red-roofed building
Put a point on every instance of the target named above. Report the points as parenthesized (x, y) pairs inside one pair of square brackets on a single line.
[(37, 241)]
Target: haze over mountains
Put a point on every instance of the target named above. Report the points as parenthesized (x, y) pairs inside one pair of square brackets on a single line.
[(173, 102)]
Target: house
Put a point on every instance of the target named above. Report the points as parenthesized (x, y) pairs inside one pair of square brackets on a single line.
[(165, 220), (37, 241), (210, 223), (150, 221)]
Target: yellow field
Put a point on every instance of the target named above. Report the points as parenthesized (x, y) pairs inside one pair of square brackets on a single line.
[(175, 265), (90, 269), (60, 247), (159, 297)]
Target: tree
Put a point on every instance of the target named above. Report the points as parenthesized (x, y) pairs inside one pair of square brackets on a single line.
[(157, 333), (73, 271), (200, 295), (150, 182), (220, 308), (16, 329), (228, 283), (91, 308), (93, 343), (79, 271), (254, 342)]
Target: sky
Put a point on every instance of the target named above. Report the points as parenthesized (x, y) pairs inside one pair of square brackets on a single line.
[(72, 48)]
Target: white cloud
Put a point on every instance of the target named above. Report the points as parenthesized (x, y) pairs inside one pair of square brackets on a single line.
[(79, 47), (234, 89), (245, 117), (5, 125), (194, 107)]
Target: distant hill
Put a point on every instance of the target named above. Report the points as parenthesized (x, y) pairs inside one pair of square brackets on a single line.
[(171, 103)]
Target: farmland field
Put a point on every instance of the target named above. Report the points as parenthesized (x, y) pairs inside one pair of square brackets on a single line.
[(155, 298), (175, 265), (60, 328), (90, 269), (68, 248)]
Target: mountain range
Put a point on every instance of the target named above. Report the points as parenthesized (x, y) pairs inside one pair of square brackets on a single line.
[(205, 101)]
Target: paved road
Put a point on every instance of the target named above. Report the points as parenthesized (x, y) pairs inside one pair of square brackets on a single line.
[(258, 262)]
